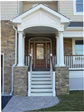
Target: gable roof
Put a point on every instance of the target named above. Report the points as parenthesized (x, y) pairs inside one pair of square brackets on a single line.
[(63, 19)]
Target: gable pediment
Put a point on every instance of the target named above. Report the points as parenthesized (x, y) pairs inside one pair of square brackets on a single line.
[(41, 16)]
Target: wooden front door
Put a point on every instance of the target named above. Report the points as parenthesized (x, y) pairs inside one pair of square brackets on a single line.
[(40, 55)]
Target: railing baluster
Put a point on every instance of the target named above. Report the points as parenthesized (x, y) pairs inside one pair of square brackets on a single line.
[(74, 61)]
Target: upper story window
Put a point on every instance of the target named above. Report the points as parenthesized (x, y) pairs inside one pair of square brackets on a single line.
[(78, 7)]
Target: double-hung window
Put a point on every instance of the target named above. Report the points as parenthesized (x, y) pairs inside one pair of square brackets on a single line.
[(78, 6)]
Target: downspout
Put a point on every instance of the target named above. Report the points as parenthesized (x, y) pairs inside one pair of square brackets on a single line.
[(12, 75)]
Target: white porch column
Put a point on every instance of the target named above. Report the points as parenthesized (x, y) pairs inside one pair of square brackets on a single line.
[(57, 50), (61, 49), (20, 49)]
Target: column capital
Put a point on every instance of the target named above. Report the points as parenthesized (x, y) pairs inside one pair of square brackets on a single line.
[(60, 32), (20, 32)]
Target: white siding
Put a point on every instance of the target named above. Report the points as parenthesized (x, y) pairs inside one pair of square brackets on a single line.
[(76, 80), (67, 9), (8, 9)]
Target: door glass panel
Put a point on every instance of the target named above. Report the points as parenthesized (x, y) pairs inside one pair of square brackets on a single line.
[(32, 52), (40, 51), (48, 53)]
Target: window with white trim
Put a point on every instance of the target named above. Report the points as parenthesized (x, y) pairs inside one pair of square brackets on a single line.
[(79, 5), (78, 48)]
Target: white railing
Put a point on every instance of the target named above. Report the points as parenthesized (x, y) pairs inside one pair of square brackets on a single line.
[(74, 61), (30, 75), (52, 75), (27, 60)]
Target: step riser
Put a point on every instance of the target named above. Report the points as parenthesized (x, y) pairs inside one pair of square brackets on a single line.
[(42, 79), (39, 76), (39, 94)]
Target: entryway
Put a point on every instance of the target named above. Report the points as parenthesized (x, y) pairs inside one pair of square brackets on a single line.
[(40, 48)]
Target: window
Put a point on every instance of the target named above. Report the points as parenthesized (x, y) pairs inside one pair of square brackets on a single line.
[(40, 51), (78, 6), (78, 47)]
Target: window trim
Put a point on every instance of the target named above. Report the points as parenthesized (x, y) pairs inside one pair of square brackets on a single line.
[(74, 9), (73, 45)]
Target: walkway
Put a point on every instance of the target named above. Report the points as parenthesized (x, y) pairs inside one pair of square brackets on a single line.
[(24, 103)]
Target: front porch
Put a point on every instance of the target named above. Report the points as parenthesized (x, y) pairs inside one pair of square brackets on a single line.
[(42, 46)]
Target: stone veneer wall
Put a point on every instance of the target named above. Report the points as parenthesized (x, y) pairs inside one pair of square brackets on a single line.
[(21, 81), (8, 48), (67, 46), (62, 80)]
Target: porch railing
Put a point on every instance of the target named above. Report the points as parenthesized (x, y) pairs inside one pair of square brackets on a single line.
[(72, 61), (27, 60), (52, 74), (30, 75)]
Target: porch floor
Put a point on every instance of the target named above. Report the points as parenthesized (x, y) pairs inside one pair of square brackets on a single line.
[(24, 103)]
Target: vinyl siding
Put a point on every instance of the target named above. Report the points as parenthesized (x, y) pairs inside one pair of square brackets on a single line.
[(28, 5), (8, 9), (67, 9)]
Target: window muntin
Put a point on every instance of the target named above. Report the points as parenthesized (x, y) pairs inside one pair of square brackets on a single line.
[(78, 47), (79, 5)]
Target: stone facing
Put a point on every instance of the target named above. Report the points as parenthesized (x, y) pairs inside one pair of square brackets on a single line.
[(8, 48), (68, 46), (21, 81), (62, 80)]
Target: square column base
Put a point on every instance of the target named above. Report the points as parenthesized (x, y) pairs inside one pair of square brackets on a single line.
[(62, 80), (21, 81)]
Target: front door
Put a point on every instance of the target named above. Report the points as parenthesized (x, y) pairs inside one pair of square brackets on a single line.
[(40, 54)]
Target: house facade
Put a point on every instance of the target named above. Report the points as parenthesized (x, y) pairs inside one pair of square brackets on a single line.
[(42, 47)]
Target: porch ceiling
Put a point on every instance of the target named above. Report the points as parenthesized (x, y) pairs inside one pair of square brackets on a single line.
[(40, 29), (40, 35)]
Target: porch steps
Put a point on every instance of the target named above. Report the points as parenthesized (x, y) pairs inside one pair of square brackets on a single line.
[(41, 84), (41, 94)]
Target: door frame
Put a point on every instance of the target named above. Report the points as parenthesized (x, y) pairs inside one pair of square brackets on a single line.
[(40, 41)]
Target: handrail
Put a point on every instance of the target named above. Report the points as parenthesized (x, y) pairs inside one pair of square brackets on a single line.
[(52, 75), (30, 76)]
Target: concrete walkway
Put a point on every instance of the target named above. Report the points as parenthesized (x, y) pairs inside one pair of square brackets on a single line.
[(24, 103)]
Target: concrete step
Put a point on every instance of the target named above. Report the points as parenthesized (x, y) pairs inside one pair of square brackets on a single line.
[(41, 94), (41, 76), (41, 72), (41, 90), (41, 82), (49, 79), (41, 86)]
